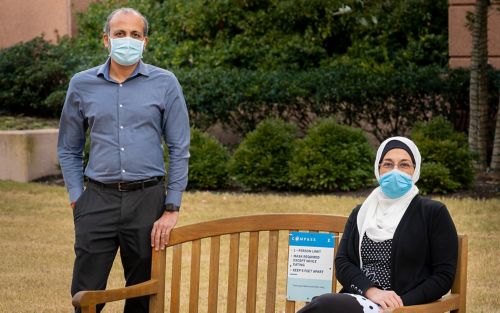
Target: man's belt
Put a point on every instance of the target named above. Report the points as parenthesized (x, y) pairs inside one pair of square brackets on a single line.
[(130, 185)]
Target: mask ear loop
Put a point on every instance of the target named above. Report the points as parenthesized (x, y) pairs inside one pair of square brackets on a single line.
[(109, 45)]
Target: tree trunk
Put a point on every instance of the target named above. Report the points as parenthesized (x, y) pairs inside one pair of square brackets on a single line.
[(495, 156), (478, 97)]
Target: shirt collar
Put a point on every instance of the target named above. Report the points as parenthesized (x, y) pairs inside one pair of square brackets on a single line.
[(141, 69)]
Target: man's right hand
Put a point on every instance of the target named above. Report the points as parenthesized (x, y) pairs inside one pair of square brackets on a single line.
[(160, 233), (73, 204), (384, 298)]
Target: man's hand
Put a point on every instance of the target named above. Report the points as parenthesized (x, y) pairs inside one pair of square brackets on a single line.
[(73, 204), (161, 229), (384, 298)]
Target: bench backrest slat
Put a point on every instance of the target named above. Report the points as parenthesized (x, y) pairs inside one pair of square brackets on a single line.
[(334, 276), (213, 280), (272, 271), (460, 283), (253, 263), (290, 306), (234, 257), (175, 294), (194, 285)]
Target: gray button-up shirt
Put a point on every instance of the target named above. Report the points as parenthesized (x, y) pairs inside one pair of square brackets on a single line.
[(126, 123)]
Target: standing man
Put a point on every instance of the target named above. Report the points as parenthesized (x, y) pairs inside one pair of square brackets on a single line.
[(127, 106)]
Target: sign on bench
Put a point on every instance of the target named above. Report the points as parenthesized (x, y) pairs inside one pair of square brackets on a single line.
[(310, 265)]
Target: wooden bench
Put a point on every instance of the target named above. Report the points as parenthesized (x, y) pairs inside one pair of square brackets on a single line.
[(238, 248)]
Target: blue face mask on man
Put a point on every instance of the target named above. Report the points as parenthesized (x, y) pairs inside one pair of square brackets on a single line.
[(126, 51), (395, 183)]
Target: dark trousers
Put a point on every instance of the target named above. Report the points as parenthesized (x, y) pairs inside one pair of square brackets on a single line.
[(107, 219), (338, 303)]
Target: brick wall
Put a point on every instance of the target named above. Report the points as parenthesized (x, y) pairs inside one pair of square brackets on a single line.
[(22, 20), (460, 38)]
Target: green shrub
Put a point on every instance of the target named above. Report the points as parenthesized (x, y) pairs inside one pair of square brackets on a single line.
[(55, 101), (446, 158), (261, 160), (435, 177), (31, 73), (208, 162), (332, 157)]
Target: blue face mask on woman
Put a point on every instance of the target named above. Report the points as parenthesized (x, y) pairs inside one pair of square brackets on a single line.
[(395, 183), (126, 51)]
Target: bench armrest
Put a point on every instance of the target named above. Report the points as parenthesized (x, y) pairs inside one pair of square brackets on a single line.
[(446, 303), (93, 297)]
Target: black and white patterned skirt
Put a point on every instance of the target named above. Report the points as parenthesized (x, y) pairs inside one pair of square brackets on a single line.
[(340, 303)]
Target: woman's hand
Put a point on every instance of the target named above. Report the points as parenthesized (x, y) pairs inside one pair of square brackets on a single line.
[(384, 298)]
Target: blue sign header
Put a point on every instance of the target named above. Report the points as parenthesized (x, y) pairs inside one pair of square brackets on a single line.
[(312, 239)]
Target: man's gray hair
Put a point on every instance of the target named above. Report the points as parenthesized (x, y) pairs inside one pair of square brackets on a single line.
[(126, 11)]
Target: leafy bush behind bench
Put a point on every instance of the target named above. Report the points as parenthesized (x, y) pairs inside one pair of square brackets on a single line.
[(261, 159), (446, 158), (330, 157)]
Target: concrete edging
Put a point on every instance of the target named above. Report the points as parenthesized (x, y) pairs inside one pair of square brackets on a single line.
[(26, 155)]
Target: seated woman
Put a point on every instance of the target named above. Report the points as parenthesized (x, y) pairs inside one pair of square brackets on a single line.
[(398, 249)]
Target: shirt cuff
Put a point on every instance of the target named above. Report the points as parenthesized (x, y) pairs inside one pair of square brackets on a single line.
[(74, 194), (174, 197)]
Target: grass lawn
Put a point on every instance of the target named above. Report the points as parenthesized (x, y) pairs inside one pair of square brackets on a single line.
[(36, 246)]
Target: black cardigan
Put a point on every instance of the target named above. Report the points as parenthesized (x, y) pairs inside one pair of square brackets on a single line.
[(423, 256)]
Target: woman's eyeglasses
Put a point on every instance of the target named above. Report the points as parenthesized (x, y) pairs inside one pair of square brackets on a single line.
[(403, 165)]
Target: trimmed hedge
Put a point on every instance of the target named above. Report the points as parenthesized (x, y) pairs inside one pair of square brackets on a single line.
[(208, 162), (332, 157), (261, 160), (446, 158), (384, 102)]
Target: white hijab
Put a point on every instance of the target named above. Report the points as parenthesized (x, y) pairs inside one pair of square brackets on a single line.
[(380, 215)]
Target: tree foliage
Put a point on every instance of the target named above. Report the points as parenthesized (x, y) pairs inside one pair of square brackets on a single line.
[(275, 34), (271, 50)]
